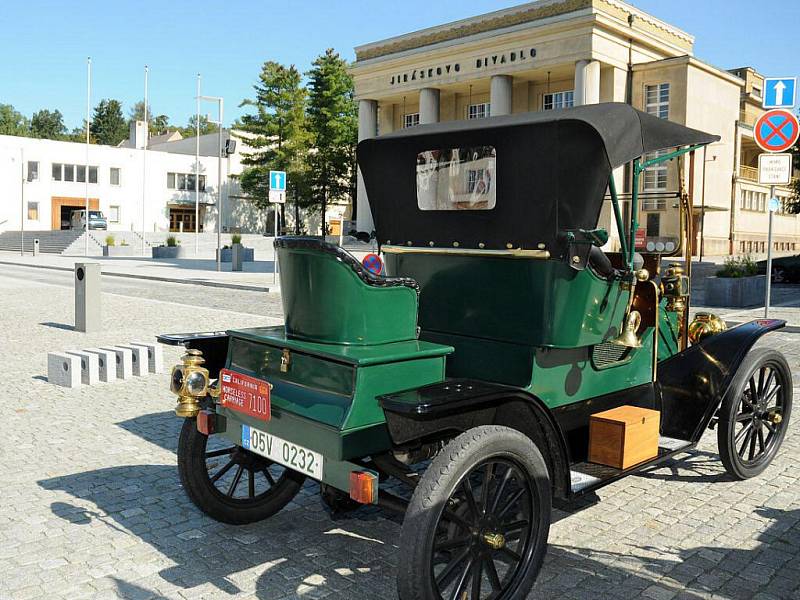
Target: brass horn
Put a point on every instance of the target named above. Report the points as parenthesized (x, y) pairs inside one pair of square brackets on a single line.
[(628, 337)]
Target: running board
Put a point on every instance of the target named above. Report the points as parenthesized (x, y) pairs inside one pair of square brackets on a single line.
[(587, 476)]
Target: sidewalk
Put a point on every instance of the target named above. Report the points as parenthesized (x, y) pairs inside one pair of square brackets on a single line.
[(256, 276)]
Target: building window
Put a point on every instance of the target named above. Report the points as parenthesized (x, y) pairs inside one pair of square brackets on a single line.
[(479, 111), (77, 173), (92, 174), (80, 173), (184, 182), (653, 224), (57, 171), (33, 171), (655, 176), (558, 100), (757, 92), (657, 100), (69, 172), (113, 213), (33, 211), (411, 120), (113, 175)]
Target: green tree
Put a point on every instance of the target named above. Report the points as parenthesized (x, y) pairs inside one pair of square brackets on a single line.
[(13, 122), (156, 124), (206, 127), (333, 122), (48, 125), (278, 134), (108, 125)]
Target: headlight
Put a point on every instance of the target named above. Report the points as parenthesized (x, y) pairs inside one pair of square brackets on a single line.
[(197, 383), (176, 380)]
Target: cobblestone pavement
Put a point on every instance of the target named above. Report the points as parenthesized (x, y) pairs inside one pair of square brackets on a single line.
[(91, 505)]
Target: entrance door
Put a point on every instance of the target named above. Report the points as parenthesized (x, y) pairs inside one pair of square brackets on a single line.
[(183, 219), (62, 207)]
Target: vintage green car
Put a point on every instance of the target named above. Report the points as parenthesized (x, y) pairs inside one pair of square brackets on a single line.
[(469, 374)]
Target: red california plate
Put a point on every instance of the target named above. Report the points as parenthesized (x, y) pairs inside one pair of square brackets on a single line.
[(245, 394)]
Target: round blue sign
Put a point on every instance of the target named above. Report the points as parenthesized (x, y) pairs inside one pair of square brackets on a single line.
[(373, 263)]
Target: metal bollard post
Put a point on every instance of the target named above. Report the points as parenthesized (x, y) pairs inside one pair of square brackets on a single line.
[(36, 246), (237, 251), (87, 297)]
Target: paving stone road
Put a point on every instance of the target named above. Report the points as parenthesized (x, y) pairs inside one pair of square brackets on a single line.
[(91, 505)]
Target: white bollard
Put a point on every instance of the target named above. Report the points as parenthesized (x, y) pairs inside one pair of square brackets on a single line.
[(124, 360), (90, 366), (107, 363), (155, 356), (139, 364), (63, 369)]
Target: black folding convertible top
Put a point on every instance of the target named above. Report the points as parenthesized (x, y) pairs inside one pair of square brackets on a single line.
[(552, 171)]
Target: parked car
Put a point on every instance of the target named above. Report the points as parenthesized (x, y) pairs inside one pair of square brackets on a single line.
[(474, 373), (97, 220), (785, 269)]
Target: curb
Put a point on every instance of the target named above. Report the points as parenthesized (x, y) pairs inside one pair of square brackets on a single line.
[(233, 286)]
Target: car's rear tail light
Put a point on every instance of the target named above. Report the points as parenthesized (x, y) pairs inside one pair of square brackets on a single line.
[(206, 422), (364, 487)]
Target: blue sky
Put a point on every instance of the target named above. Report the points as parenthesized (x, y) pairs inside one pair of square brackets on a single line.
[(45, 48)]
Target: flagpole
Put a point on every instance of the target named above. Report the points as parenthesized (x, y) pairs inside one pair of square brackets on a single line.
[(86, 178), (144, 162), (197, 173)]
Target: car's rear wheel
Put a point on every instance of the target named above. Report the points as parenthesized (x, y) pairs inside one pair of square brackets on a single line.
[(478, 521), (755, 413), (229, 483)]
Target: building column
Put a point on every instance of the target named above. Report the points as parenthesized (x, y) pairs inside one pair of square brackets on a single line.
[(367, 125), (428, 106), (587, 82), (501, 95)]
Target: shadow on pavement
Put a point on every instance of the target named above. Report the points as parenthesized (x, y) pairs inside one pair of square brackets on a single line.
[(161, 428), (301, 548)]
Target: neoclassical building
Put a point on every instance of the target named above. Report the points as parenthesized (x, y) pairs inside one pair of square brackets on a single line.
[(558, 53)]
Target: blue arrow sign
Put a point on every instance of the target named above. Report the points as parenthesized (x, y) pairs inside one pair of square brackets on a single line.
[(779, 92), (277, 181)]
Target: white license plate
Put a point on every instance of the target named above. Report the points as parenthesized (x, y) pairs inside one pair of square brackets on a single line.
[(282, 452)]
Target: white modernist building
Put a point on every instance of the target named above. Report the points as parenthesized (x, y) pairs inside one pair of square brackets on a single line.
[(43, 181)]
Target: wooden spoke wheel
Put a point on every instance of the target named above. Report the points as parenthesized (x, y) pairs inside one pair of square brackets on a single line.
[(229, 483), (477, 525), (755, 413)]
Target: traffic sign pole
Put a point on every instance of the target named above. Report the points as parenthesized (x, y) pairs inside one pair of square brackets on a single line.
[(769, 253)]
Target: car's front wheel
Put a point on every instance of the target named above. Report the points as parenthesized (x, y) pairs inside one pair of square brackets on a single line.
[(755, 413), (229, 483), (478, 521)]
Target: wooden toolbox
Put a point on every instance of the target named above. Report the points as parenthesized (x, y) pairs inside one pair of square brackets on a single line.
[(624, 436)]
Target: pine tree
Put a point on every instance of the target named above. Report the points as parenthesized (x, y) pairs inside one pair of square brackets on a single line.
[(333, 122), (156, 124), (108, 125), (278, 134)]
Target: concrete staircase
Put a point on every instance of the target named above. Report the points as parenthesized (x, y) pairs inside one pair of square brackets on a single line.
[(52, 242)]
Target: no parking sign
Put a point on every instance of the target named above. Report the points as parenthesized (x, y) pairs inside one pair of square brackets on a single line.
[(373, 263), (776, 130)]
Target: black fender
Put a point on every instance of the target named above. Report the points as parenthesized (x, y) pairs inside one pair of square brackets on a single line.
[(693, 383), (213, 345), (450, 407)]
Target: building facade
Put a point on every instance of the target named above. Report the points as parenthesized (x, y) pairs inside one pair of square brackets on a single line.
[(43, 181), (555, 54)]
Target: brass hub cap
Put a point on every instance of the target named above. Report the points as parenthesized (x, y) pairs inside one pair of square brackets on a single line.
[(494, 540)]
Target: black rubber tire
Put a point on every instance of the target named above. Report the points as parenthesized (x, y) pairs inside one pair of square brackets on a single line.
[(726, 430), (415, 577), (202, 492)]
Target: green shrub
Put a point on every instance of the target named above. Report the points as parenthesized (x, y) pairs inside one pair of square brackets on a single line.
[(738, 266), (236, 238), (109, 240), (124, 243), (172, 241)]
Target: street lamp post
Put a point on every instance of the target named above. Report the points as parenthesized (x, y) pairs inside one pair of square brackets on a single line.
[(144, 163), (221, 113)]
